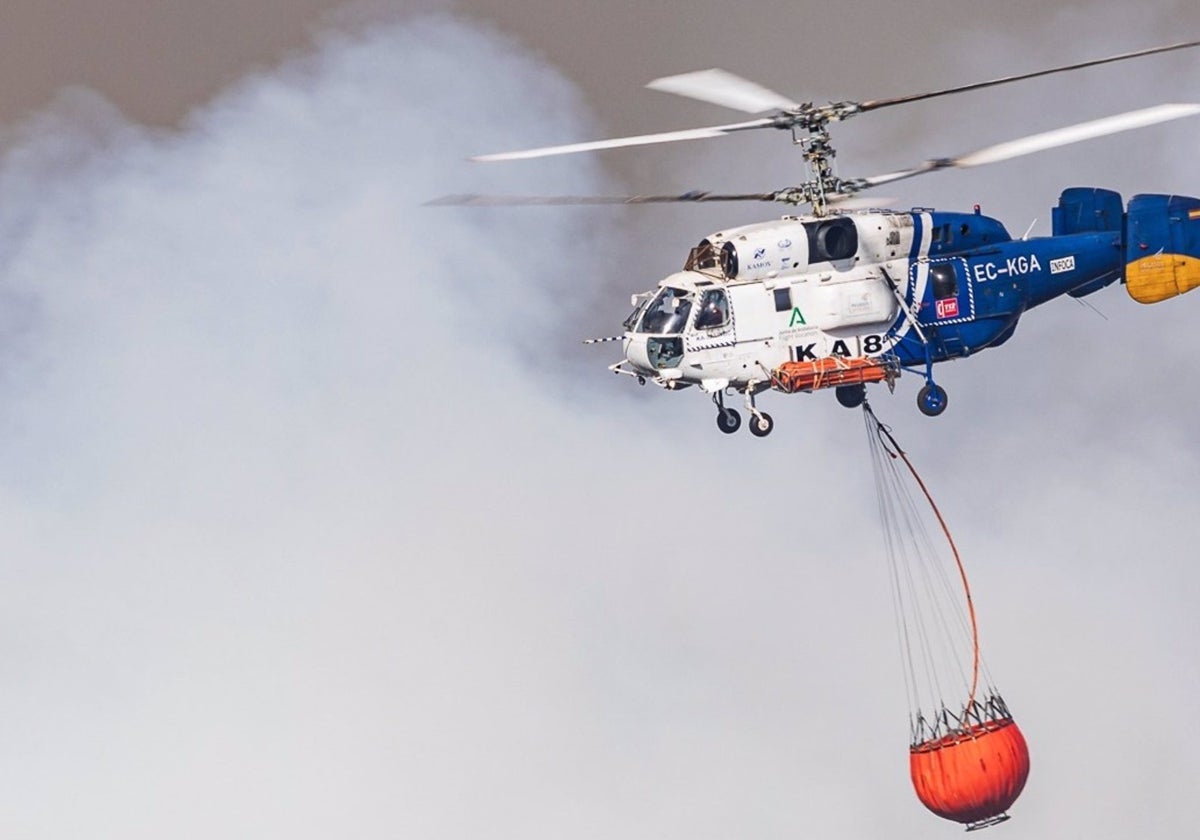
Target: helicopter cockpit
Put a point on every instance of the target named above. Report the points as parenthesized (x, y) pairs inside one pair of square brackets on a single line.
[(667, 312), (661, 319)]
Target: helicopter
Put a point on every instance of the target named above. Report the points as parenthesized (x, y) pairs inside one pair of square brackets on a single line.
[(850, 294)]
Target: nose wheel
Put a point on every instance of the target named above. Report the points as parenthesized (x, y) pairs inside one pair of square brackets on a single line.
[(761, 424), (729, 420)]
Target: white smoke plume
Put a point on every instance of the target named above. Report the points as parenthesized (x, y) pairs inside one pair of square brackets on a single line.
[(238, 363)]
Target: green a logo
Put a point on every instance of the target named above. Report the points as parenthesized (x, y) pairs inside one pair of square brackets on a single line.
[(797, 317)]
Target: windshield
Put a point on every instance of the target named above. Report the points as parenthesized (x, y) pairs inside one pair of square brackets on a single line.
[(631, 322), (667, 313)]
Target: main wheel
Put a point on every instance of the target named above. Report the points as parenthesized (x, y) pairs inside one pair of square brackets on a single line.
[(851, 396), (932, 400), (762, 425), (729, 421)]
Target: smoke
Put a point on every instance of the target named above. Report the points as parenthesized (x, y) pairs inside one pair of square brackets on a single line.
[(306, 530), (262, 418)]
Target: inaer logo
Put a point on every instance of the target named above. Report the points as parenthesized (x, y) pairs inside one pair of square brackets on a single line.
[(797, 317)]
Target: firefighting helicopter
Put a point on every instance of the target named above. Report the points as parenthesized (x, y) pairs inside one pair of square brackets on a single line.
[(844, 296)]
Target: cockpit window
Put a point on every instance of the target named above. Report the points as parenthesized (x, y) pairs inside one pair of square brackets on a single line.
[(640, 302), (714, 310), (667, 313), (945, 285)]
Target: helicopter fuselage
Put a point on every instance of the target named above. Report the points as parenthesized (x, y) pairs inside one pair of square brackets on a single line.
[(841, 299), (910, 289)]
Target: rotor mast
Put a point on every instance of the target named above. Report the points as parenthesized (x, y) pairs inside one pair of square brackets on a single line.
[(809, 125), (817, 149), (819, 155)]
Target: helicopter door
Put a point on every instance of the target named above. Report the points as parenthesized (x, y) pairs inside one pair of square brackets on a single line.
[(944, 300), (942, 293)]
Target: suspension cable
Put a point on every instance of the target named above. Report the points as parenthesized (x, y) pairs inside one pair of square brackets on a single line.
[(894, 451)]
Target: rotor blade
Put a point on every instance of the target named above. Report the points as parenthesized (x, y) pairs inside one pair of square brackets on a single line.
[(873, 104), (1046, 140), (640, 140), (534, 200), (839, 200), (1079, 132), (721, 87), (876, 180)]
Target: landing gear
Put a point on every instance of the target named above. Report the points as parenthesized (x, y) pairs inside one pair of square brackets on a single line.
[(851, 396), (729, 421), (932, 400), (761, 425)]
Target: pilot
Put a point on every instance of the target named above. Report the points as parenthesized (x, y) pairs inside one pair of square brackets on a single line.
[(712, 315)]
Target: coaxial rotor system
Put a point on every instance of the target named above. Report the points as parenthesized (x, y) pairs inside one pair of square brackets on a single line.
[(809, 124)]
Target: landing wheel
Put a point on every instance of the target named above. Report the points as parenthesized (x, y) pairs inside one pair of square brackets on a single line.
[(851, 396), (728, 420), (762, 425), (932, 400)]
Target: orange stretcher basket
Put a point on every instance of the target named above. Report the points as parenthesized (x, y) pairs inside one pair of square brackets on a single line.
[(832, 371)]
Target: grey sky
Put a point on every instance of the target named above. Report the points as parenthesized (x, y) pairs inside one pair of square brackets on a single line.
[(317, 521)]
